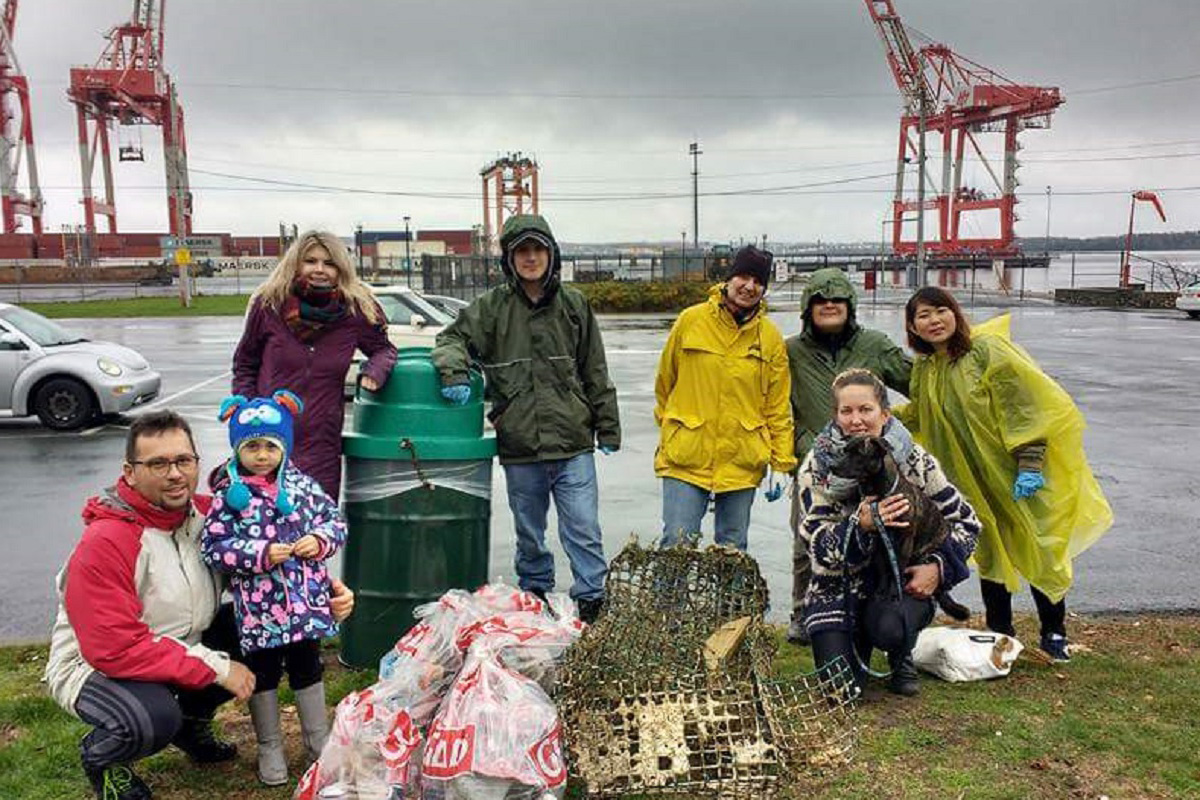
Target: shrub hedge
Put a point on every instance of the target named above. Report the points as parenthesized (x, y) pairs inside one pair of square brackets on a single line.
[(629, 296)]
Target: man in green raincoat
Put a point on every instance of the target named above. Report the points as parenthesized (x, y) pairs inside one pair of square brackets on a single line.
[(830, 342), (553, 404)]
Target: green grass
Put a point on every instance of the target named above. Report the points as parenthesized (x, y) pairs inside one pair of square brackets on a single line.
[(1120, 721), (218, 305)]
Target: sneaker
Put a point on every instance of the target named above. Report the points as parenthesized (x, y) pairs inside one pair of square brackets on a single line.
[(1055, 646), (118, 782), (797, 633), (589, 610), (197, 738)]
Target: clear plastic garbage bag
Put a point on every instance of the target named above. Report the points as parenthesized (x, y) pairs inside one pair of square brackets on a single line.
[(496, 736)]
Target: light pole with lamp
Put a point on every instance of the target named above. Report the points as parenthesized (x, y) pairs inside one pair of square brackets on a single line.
[(407, 250)]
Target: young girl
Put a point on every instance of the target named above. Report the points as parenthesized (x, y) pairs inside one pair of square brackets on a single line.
[(271, 527), (1012, 440)]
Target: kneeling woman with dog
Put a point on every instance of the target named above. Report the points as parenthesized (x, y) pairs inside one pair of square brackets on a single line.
[(864, 594)]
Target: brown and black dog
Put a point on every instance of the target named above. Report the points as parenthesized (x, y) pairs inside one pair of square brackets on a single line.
[(869, 461)]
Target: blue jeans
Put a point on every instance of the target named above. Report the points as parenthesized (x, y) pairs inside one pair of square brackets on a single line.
[(572, 482), (684, 505)]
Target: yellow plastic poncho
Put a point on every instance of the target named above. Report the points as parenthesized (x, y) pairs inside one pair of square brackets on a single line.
[(973, 415)]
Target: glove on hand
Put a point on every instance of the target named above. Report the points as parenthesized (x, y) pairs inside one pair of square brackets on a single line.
[(1027, 483), (774, 489), (457, 395)]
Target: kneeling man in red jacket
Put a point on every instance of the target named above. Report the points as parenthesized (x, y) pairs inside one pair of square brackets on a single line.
[(142, 648)]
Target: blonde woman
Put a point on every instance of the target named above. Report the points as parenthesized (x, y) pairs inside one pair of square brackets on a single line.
[(302, 328)]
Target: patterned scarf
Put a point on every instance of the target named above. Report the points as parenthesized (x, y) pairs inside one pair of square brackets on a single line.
[(828, 447), (308, 309)]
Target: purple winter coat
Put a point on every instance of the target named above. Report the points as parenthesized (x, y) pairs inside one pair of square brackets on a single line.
[(271, 357)]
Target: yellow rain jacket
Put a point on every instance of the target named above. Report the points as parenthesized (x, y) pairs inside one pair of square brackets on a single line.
[(721, 399), (973, 415)]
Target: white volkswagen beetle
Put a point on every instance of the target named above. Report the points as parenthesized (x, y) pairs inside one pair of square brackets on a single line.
[(66, 380)]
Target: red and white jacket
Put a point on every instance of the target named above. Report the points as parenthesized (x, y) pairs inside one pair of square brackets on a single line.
[(134, 598)]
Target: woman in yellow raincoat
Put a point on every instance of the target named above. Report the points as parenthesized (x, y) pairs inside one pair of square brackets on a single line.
[(1011, 440), (721, 400)]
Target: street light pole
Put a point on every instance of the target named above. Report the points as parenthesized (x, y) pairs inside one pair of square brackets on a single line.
[(683, 254), (695, 151), (1048, 196), (921, 124), (407, 250), (358, 248)]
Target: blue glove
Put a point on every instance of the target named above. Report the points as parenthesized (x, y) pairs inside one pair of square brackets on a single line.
[(774, 488), (606, 450), (457, 395), (1027, 483)]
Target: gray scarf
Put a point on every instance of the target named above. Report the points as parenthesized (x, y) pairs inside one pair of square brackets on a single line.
[(828, 447)]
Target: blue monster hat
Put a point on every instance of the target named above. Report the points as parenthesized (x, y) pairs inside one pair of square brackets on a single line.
[(261, 418)]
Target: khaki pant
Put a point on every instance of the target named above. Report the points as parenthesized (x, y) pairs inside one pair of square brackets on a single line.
[(801, 565)]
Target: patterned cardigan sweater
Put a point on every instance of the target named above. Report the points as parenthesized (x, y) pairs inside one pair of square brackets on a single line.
[(841, 552)]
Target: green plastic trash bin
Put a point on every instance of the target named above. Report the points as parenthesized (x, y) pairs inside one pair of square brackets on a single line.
[(417, 500)]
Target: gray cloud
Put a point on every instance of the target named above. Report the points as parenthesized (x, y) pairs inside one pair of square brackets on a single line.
[(416, 96)]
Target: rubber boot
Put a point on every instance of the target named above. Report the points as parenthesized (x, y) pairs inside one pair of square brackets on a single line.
[(314, 719), (904, 679), (272, 763)]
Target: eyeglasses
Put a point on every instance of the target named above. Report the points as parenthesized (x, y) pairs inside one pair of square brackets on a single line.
[(162, 466)]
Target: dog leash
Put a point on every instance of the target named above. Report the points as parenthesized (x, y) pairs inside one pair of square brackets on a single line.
[(877, 519)]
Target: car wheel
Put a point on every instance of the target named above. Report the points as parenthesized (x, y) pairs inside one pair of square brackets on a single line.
[(64, 404), (1194, 314)]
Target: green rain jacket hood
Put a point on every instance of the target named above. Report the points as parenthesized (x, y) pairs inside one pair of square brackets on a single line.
[(831, 283), (520, 224), (814, 365)]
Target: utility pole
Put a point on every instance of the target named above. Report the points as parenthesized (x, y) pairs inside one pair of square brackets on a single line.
[(924, 110), (694, 151)]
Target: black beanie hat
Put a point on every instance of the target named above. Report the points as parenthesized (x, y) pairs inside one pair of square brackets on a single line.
[(752, 261)]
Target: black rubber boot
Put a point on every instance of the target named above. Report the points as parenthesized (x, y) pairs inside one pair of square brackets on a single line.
[(197, 739), (904, 680)]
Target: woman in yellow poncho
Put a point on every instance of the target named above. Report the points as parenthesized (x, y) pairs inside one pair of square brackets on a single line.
[(1011, 440)]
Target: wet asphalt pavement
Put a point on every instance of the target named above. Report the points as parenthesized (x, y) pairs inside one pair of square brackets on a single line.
[(1133, 373)]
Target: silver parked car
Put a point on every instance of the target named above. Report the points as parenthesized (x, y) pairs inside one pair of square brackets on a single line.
[(66, 380)]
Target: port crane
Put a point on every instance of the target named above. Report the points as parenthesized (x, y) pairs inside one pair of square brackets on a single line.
[(16, 135), (128, 86), (951, 96)]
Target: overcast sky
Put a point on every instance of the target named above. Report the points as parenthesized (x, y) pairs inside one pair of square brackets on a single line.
[(415, 97)]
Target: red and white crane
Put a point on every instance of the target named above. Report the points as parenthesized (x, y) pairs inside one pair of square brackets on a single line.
[(16, 135), (129, 86), (958, 99)]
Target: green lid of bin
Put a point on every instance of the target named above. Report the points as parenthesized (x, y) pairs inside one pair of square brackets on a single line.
[(408, 418)]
